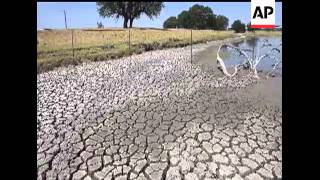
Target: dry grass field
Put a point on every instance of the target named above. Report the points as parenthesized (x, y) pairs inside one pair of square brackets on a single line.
[(264, 33), (54, 47)]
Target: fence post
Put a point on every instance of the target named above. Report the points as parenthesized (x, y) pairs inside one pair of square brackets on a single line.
[(65, 19), (72, 43), (129, 40), (191, 46), (254, 36)]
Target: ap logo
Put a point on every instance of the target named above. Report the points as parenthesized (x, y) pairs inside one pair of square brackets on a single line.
[(262, 13)]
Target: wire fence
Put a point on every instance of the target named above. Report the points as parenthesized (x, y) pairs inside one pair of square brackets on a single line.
[(73, 46)]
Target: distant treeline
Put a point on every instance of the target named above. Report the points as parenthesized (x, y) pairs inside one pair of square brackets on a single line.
[(202, 17)]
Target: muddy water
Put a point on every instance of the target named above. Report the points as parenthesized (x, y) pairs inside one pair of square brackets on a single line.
[(255, 49), (209, 55), (268, 91)]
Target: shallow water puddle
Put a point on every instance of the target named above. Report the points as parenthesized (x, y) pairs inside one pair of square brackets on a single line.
[(254, 45)]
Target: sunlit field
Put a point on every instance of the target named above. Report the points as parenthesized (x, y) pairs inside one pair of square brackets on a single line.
[(54, 47)]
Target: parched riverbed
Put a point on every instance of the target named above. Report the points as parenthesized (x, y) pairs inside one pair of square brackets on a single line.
[(156, 116)]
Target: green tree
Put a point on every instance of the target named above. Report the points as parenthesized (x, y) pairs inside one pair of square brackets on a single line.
[(249, 28), (222, 22), (171, 22), (100, 25), (202, 17), (184, 20), (238, 26), (212, 21), (198, 17), (129, 10)]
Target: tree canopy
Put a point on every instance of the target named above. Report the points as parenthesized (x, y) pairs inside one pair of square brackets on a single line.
[(171, 22), (100, 25), (184, 20), (249, 28), (199, 17), (129, 10), (222, 22), (238, 26)]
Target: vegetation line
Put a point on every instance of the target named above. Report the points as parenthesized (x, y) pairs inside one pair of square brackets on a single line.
[(54, 47)]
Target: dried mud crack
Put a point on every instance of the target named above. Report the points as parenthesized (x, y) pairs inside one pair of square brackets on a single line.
[(154, 116)]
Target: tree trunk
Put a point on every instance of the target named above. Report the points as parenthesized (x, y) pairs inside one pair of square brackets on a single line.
[(255, 73), (125, 22), (248, 63), (131, 21), (222, 66)]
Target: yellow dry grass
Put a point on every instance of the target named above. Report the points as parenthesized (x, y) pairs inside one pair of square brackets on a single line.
[(61, 39), (265, 33), (55, 46)]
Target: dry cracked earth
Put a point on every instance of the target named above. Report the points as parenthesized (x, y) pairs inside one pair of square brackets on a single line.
[(154, 116)]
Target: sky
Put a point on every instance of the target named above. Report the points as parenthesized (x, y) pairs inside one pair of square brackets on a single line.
[(85, 14)]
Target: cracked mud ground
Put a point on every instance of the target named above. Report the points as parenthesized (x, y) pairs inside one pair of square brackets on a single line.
[(154, 116)]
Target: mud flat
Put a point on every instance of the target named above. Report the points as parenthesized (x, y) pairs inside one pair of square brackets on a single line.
[(269, 89), (155, 116)]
